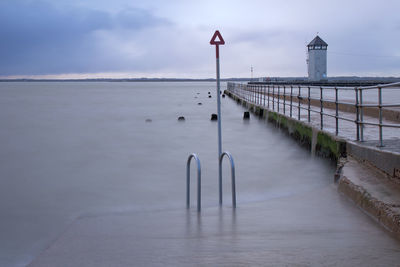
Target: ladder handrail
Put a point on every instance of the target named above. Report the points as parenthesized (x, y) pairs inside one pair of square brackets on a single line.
[(193, 155), (226, 153)]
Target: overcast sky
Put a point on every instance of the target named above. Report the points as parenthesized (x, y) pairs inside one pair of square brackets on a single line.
[(170, 38)]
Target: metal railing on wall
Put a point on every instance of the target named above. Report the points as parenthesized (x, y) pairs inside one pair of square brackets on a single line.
[(342, 104)]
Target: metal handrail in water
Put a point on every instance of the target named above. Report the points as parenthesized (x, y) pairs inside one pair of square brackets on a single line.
[(193, 155), (226, 153)]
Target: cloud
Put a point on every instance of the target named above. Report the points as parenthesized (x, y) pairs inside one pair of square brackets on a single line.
[(41, 38)]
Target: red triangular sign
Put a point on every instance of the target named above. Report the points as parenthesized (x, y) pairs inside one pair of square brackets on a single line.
[(217, 39)]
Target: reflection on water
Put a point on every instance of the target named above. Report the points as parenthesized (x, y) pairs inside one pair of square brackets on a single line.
[(70, 150)]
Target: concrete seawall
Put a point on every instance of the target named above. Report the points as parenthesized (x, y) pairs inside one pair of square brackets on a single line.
[(319, 142), (370, 177)]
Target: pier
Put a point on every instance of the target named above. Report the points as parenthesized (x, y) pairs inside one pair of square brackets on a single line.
[(350, 130)]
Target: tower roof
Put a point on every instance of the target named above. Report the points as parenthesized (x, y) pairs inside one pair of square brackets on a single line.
[(317, 41)]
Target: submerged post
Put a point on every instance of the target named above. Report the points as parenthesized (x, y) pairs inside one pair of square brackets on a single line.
[(217, 40)]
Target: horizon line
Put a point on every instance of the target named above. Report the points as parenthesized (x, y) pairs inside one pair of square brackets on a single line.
[(191, 79)]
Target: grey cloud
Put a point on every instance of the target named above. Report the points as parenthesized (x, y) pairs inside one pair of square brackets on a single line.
[(139, 18), (258, 36), (40, 38)]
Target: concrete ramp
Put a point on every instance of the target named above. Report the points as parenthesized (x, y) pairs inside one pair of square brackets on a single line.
[(316, 228)]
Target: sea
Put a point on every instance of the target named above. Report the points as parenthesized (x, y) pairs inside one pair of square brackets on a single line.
[(72, 150)]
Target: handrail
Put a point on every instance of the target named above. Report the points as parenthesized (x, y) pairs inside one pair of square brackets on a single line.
[(329, 104), (226, 153), (193, 155)]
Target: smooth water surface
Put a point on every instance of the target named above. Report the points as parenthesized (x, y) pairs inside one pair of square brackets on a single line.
[(71, 150)]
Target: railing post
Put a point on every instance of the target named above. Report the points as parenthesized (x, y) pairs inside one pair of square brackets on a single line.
[(198, 181), (291, 99), (299, 99), (357, 116), (361, 117), (250, 93), (309, 105), (256, 94), (264, 89), (255, 88), (273, 97), (284, 99), (278, 97), (380, 117), (322, 108), (337, 111)]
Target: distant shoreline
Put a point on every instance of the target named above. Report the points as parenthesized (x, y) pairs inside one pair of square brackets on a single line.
[(351, 79), (126, 80)]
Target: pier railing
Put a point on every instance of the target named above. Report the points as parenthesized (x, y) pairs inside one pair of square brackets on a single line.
[(338, 109)]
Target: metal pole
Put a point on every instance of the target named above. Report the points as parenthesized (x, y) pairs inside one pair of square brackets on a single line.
[(380, 117), (278, 97), (309, 104), (337, 111), (361, 117), (232, 175), (357, 116), (219, 128), (291, 100), (273, 97), (298, 98), (256, 94), (264, 89), (198, 181), (268, 98), (284, 99), (322, 109)]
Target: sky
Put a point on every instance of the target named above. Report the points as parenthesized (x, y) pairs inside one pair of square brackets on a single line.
[(160, 38)]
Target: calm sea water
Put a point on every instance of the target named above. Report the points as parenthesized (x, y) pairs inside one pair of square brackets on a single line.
[(72, 149)]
